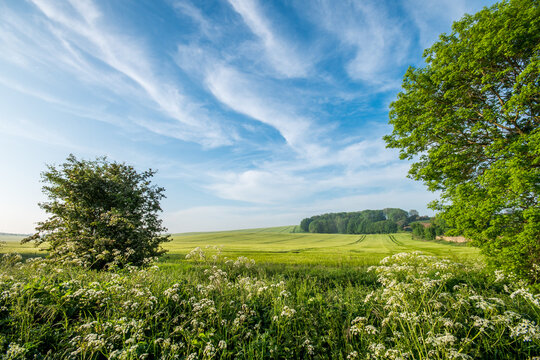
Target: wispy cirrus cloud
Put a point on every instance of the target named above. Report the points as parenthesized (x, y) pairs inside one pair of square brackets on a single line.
[(257, 98), (207, 28), (363, 166), (273, 186), (81, 38), (283, 56), (317, 165), (259, 186), (243, 95), (256, 113), (433, 18), (377, 40)]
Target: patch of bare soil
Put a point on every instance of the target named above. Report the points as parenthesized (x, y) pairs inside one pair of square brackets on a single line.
[(457, 239)]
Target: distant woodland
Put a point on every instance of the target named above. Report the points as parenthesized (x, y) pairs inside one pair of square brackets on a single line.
[(386, 221)]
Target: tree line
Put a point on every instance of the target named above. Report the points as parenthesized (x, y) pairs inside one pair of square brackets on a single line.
[(385, 221)]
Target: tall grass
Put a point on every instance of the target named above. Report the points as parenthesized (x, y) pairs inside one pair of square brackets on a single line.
[(411, 306)]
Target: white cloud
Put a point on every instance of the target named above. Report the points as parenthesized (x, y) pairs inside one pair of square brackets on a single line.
[(317, 169), (284, 57), (434, 18), (207, 28), (269, 184), (244, 95), (260, 186), (80, 39), (236, 91), (378, 40), (121, 54), (366, 153)]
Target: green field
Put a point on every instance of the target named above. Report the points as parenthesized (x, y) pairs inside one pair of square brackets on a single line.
[(307, 248), (281, 245), (307, 296), (12, 243)]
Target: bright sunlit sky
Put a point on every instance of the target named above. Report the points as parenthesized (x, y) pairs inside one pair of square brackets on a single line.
[(255, 113)]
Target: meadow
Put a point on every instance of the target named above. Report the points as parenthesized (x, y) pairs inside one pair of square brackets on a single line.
[(280, 246), (285, 245), (270, 294)]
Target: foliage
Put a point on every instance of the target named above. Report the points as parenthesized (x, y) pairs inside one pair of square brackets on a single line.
[(398, 216), (417, 230), (470, 119), (209, 307), (385, 221), (103, 214), (429, 311), (429, 231)]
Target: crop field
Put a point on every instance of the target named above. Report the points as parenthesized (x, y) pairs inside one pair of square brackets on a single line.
[(280, 245), (270, 294), (271, 246), (12, 243)]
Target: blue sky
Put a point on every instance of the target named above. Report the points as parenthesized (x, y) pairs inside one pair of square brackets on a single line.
[(255, 113)]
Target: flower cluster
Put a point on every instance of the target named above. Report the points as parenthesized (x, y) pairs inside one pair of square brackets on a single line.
[(416, 306), (429, 311)]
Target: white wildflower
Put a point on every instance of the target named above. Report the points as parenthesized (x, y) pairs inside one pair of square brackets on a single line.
[(287, 311), (441, 340), (453, 354), (526, 330), (209, 350), (15, 351)]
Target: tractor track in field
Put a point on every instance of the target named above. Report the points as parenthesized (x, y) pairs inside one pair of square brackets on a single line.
[(394, 240), (358, 241)]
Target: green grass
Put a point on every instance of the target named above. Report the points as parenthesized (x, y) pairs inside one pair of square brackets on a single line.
[(308, 296), (12, 243), (306, 248), (421, 306), (279, 245)]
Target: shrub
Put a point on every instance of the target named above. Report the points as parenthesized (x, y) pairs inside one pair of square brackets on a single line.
[(102, 214)]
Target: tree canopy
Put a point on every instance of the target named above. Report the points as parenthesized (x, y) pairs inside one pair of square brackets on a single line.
[(470, 121), (384, 221), (101, 214)]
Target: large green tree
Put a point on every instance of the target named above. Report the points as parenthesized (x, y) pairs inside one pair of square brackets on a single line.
[(470, 122), (101, 214)]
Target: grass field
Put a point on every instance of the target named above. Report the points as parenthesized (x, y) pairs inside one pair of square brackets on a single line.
[(307, 296), (306, 248), (12, 243), (282, 245)]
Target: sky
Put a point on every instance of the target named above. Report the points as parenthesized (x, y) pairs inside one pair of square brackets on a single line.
[(254, 113)]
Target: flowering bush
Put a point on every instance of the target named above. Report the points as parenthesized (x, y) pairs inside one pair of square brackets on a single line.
[(102, 214)]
